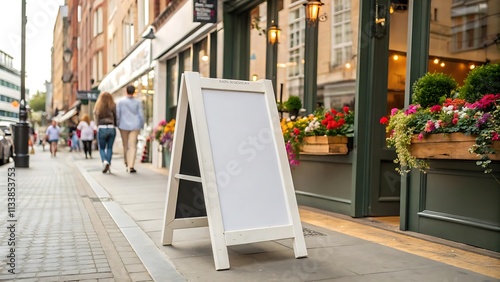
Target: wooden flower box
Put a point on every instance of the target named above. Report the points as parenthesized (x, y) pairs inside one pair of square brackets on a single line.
[(447, 146), (335, 145)]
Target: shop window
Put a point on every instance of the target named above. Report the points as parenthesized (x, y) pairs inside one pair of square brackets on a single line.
[(201, 58), (172, 86)]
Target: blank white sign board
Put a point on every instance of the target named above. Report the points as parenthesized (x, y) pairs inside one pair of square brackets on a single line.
[(245, 176)]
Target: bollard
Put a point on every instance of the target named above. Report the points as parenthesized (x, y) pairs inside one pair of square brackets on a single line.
[(21, 136)]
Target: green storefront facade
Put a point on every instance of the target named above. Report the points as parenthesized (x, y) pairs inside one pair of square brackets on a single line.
[(455, 200)]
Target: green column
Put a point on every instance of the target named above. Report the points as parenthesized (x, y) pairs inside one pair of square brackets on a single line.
[(419, 13), (272, 49), (310, 67)]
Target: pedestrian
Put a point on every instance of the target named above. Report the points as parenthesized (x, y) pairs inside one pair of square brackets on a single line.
[(53, 134), (75, 141), (130, 120), (32, 140), (105, 117), (87, 128)]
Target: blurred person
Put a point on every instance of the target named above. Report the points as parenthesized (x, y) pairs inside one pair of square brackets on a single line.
[(105, 117), (75, 141), (130, 120), (32, 140), (87, 128), (53, 134)]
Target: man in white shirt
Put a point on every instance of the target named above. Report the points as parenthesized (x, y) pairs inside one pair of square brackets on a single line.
[(130, 120)]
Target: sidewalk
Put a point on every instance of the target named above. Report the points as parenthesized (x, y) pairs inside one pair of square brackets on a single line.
[(75, 223), (339, 249), (57, 231)]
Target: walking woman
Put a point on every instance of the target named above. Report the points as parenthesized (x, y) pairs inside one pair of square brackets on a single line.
[(53, 133), (86, 128), (105, 117)]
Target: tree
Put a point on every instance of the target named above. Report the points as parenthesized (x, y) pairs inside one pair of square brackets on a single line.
[(37, 102)]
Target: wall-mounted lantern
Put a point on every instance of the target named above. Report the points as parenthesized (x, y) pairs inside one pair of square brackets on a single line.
[(273, 33), (312, 11)]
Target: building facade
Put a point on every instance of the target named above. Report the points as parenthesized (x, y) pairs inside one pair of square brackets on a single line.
[(10, 89)]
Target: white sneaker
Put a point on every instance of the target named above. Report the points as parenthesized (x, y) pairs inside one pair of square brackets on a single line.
[(106, 166)]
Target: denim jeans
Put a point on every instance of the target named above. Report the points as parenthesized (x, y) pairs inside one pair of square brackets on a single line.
[(106, 138)]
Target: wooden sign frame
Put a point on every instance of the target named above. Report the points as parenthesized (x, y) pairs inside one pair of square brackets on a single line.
[(228, 225)]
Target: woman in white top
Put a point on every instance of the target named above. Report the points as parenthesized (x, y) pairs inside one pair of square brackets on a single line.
[(87, 128)]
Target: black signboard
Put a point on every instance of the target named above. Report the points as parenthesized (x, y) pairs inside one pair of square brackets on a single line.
[(89, 95), (205, 11), (190, 200)]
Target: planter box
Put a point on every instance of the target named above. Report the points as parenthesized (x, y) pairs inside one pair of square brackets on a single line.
[(447, 146), (335, 145)]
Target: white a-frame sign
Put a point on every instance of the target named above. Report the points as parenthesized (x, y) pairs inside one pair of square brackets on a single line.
[(229, 168)]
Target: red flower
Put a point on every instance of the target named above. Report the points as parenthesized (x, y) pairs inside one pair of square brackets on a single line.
[(296, 131), (345, 109), (455, 120), (435, 109), (494, 136), (384, 120), (332, 125)]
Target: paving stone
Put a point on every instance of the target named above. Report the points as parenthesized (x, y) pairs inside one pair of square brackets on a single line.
[(131, 260), (131, 268), (141, 276)]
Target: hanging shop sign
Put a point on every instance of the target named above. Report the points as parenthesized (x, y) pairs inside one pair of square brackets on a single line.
[(205, 11), (90, 95)]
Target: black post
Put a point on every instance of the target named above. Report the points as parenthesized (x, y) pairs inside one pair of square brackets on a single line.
[(21, 131)]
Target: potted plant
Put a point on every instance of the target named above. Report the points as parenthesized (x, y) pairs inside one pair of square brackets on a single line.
[(475, 125), (293, 106), (164, 134)]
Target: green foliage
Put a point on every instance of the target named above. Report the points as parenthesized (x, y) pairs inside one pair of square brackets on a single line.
[(481, 81), (37, 102), (293, 103), (433, 88)]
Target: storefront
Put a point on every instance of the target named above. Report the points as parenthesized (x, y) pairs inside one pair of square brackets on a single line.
[(180, 45)]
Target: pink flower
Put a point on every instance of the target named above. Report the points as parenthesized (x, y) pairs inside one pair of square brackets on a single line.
[(162, 123), (429, 127), (412, 109), (394, 111), (420, 136)]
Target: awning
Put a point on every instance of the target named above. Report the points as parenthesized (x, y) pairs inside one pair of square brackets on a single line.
[(69, 114), (76, 104)]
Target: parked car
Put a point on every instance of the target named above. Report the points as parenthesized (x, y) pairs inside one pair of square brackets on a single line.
[(8, 129), (6, 148)]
